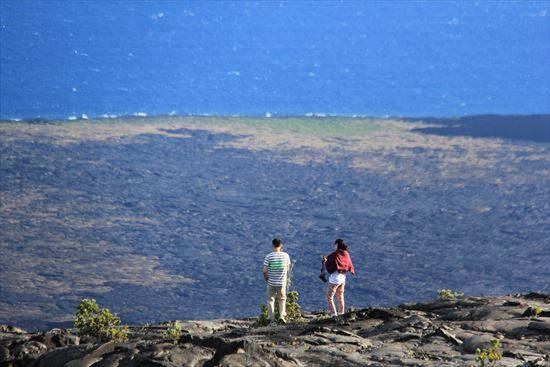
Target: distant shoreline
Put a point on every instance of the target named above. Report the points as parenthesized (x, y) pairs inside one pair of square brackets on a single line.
[(143, 115), (531, 127)]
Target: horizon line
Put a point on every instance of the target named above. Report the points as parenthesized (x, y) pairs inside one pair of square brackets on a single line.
[(267, 115)]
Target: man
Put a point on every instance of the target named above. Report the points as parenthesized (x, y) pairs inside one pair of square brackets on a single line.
[(276, 273)]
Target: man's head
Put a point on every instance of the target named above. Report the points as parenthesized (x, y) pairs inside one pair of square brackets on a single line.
[(277, 244)]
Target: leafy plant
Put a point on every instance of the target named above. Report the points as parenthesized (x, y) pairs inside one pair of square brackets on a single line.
[(533, 311), (293, 308), (99, 322), (489, 355), (263, 319), (119, 334), (173, 332), (293, 311), (449, 294)]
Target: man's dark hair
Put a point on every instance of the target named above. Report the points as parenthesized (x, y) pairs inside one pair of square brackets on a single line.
[(276, 242)]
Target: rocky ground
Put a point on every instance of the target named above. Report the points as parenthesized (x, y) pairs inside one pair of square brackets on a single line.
[(435, 333)]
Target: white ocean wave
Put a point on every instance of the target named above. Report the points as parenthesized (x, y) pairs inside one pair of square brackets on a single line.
[(540, 14), (76, 52)]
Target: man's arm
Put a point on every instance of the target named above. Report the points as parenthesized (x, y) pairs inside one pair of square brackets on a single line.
[(265, 273), (265, 268)]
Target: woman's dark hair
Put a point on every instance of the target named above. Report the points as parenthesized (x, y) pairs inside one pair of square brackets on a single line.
[(276, 242), (341, 245)]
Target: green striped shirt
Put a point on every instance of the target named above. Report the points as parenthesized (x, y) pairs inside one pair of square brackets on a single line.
[(277, 264)]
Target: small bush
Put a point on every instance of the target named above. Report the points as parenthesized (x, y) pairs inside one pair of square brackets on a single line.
[(448, 294), (263, 319), (490, 355), (173, 332), (119, 334), (99, 322), (293, 311), (293, 308)]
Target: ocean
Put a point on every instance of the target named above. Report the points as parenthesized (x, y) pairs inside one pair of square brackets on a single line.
[(73, 59)]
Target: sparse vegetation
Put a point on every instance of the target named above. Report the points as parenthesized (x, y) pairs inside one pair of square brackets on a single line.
[(293, 308), (293, 311), (533, 311), (99, 322), (447, 294), (489, 356), (173, 332), (263, 319), (119, 333)]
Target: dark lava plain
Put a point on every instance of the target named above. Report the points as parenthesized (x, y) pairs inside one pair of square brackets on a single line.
[(170, 218), (528, 127)]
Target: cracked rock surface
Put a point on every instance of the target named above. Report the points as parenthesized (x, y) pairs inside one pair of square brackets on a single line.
[(434, 333)]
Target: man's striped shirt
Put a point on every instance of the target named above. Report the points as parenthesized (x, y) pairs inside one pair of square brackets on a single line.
[(278, 264)]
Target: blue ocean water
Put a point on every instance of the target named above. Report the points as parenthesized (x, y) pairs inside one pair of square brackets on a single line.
[(399, 58)]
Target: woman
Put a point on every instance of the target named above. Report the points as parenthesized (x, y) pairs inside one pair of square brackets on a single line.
[(337, 264)]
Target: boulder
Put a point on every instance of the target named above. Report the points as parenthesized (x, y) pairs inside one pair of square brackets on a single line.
[(477, 341), (30, 350), (540, 326), (111, 360), (59, 357), (388, 353), (242, 360), (4, 354), (11, 329), (85, 361), (191, 355)]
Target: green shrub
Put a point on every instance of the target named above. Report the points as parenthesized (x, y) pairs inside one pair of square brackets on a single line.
[(293, 308), (99, 322), (449, 294), (293, 311), (263, 319), (119, 333), (491, 354), (173, 332)]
